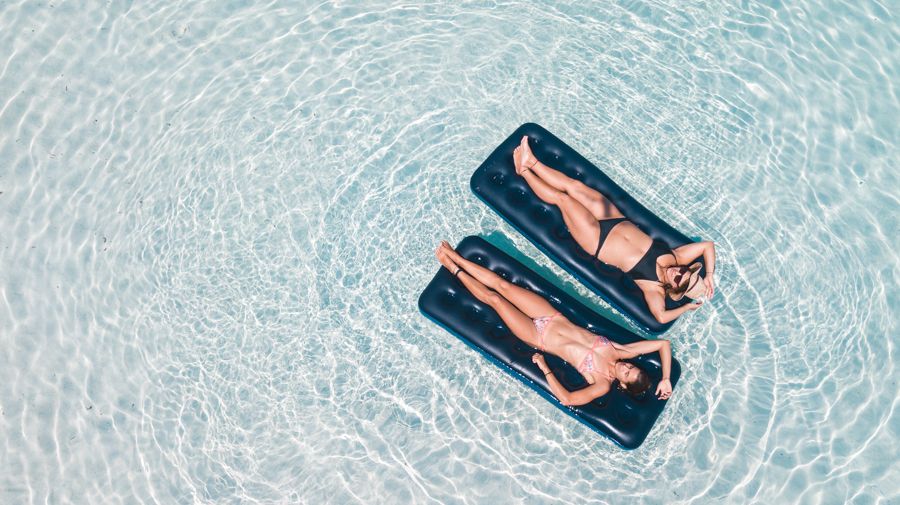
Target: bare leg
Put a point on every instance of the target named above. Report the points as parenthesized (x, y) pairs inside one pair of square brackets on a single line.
[(580, 221), (599, 206), (518, 322), (532, 304)]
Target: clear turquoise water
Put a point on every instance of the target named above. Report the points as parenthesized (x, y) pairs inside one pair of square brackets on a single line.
[(217, 218)]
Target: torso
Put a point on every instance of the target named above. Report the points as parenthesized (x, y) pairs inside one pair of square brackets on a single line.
[(626, 245), (572, 342)]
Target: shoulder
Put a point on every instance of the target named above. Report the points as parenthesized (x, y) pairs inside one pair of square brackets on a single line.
[(600, 387), (650, 286)]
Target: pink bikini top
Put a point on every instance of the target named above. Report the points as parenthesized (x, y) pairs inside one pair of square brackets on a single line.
[(587, 364)]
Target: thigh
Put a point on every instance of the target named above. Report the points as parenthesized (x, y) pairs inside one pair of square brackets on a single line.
[(518, 323), (598, 205), (581, 223), (527, 301)]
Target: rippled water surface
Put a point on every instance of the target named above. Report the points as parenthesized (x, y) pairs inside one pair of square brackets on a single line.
[(217, 218)]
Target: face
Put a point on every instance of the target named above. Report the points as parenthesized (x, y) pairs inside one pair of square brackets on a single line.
[(678, 276), (626, 372)]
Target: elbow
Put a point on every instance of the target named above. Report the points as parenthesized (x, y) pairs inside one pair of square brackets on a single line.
[(665, 350), (663, 316), (575, 401)]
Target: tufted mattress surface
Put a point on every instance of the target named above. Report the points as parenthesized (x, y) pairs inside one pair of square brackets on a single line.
[(497, 184), (624, 419)]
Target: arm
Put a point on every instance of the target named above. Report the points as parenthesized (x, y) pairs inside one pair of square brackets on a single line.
[(627, 351), (689, 252), (566, 397), (634, 349), (656, 301)]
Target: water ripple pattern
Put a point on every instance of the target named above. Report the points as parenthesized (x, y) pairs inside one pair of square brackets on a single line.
[(218, 217)]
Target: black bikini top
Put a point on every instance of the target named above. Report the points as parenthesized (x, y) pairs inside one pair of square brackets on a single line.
[(645, 268)]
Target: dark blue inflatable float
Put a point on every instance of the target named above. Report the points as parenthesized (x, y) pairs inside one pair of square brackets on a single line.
[(624, 419)]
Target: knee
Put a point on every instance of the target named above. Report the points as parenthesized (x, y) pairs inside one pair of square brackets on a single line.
[(576, 186), (550, 195), (562, 199), (503, 286), (493, 299)]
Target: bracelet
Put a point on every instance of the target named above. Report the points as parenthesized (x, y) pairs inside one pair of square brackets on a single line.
[(548, 373)]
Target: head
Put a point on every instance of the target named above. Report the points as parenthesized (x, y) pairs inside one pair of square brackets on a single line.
[(684, 281), (631, 378)]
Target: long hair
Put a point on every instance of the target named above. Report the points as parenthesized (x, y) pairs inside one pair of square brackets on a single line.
[(638, 386), (675, 291)]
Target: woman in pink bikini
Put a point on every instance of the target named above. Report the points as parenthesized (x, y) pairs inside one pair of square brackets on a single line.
[(533, 320)]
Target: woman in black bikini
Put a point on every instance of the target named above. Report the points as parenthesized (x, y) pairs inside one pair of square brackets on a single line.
[(533, 320), (600, 228)]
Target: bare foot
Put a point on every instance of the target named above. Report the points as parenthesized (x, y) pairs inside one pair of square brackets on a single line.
[(523, 157), (450, 252), (445, 259), (516, 162)]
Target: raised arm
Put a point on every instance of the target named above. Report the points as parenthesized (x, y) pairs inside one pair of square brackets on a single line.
[(689, 252), (635, 349), (566, 397)]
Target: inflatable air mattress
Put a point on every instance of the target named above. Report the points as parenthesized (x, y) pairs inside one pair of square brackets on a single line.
[(496, 183), (624, 419)]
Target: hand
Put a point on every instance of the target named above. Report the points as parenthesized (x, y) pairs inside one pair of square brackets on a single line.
[(664, 389), (694, 305), (710, 286), (538, 359)]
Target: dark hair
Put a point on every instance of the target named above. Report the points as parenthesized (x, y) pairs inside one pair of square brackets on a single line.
[(673, 291), (638, 386)]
